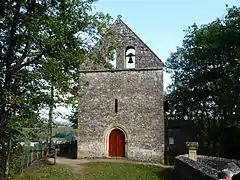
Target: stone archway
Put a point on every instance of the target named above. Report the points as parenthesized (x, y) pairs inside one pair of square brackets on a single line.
[(116, 143), (107, 133)]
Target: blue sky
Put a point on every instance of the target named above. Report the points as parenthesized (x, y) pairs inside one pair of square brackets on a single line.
[(160, 23)]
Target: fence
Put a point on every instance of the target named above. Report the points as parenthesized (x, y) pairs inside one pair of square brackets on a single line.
[(26, 157)]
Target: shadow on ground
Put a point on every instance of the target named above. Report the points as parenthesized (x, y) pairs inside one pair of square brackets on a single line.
[(165, 174)]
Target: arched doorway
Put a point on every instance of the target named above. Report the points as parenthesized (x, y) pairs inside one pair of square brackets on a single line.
[(116, 143)]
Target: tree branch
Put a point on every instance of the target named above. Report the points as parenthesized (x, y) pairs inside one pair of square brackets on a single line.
[(12, 44), (24, 55), (20, 66)]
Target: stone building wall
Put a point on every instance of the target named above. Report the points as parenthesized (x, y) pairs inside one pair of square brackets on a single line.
[(138, 91), (140, 113)]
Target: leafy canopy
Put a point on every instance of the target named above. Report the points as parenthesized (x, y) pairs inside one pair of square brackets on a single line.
[(42, 44), (206, 77)]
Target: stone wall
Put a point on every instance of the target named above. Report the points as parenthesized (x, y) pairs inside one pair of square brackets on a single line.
[(140, 113), (205, 168)]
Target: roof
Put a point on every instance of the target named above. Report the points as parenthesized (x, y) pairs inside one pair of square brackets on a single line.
[(119, 20)]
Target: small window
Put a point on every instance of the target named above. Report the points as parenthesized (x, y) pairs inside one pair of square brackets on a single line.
[(171, 140), (130, 57), (112, 57), (116, 106)]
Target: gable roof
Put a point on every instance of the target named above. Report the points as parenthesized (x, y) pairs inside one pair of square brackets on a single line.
[(120, 21)]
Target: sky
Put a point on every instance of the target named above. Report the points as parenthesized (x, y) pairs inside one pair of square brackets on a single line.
[(160, 23)]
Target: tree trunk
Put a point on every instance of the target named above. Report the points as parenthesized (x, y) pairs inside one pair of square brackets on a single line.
[(8, 156), (50, 118), (4, 131)]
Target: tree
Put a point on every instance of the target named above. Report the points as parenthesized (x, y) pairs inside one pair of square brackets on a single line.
[(205, 79), (42, 44), (73, 117)]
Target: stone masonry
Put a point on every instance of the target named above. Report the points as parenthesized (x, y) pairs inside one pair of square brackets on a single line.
[(139, 92)]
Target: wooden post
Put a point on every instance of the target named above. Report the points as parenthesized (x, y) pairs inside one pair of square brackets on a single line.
[(31, 157), (27, 159), (42, 153), (34, 156), (22, 162), (37, 155), (192, 150), (55, 156)]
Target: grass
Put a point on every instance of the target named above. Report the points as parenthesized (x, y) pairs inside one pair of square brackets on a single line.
[(97, 171), (47, 172), (118, 171)]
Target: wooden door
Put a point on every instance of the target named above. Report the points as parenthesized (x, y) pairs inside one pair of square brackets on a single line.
[(116, 143)]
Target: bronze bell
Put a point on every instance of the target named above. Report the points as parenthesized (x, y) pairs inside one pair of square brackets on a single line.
[(130, 55)]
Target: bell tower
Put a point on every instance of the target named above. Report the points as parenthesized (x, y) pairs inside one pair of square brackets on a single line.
[(121, 109), (130, 51)]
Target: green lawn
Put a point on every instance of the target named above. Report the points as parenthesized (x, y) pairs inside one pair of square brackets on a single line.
[(118, 171), (47, 172), (97, 171)]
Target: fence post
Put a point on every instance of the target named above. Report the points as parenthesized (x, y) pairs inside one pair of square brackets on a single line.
[(23, 160), (37, 154), (55, 156), (28, 157), (31, 156), (27, 154)]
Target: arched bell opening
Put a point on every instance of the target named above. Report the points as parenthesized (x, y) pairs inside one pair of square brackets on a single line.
[(130, 54), (112, 57)]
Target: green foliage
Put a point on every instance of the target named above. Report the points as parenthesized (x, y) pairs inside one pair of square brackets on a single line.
[(73, 117), (205, 79), (66, 135), (111, 53), (60, 135), (65, 130), (42, 45)]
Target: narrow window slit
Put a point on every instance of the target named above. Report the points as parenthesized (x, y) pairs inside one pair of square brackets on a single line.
[(116, 105)]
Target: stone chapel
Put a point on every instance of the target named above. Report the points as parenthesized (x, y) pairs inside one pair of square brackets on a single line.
[(121, 109)]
